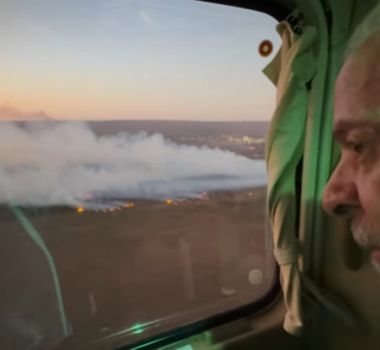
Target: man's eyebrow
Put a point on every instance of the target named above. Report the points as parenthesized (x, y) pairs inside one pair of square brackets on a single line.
[(343, 126)]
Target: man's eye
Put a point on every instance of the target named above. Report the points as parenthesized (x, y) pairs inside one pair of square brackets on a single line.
[(357, 147)]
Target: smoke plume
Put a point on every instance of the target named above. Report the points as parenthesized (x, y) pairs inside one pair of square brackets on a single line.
[(44, 164)]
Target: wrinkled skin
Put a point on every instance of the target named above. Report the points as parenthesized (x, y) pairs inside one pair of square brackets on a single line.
[(354, 187)]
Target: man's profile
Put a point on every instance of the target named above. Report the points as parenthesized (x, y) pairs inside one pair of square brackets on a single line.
[(354, 187)]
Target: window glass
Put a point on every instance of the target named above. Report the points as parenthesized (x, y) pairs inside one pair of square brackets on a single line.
[(132, 173)]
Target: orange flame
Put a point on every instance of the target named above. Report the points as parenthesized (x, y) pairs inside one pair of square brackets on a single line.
[(80, 210)]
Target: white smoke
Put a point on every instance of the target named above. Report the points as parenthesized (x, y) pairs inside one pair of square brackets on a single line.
[(66, 163)]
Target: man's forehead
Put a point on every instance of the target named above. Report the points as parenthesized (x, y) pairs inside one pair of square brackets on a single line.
[(357, 93)]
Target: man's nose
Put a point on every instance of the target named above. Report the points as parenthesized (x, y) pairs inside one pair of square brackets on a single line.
[(340, 196)]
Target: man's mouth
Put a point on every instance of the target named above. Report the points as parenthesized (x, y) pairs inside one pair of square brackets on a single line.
[(367, 238), (375, 256)]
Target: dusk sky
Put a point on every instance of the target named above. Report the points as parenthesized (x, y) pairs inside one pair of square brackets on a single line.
[(133, 59)]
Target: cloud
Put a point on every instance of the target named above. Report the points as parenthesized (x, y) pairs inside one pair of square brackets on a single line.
[(45, 164)]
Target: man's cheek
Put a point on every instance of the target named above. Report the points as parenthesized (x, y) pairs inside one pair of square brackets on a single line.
[(369, 193)]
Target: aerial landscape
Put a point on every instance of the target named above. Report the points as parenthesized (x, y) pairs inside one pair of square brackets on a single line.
[(189, 241)]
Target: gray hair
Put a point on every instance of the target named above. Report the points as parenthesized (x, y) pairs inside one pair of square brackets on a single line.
[(366, 29)]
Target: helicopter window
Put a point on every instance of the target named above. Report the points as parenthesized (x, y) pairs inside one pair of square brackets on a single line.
[(132, 172)]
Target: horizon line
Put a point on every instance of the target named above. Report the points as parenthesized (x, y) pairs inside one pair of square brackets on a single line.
[(134, 120)]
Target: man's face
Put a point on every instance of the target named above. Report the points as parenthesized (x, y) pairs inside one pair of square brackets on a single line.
[(354, 187)]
